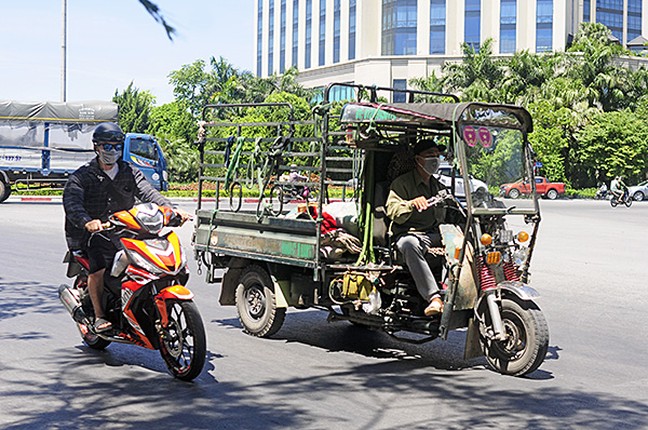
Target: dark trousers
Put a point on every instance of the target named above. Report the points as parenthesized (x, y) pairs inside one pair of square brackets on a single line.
[(414, 247)]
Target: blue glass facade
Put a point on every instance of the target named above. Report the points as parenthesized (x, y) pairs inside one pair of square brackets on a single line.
[(271, 38), (587, 14), (472, 19), (282, 37), (544, 25), (398, 27), (295, 33), (309, 34), (399, 84), (508, 26), (259, 37), (437, 26), (336, 31), (634, 19), (352, 29), (322, 33), (610, 13)]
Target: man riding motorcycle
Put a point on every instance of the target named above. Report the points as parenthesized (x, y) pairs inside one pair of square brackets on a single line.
[(618, 188), (95, 190)]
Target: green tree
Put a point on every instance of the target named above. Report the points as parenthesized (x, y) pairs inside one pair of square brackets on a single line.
[(134, 109), (176, 130)]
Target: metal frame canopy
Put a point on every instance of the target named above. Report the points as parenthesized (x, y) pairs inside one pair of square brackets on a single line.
[(438, 116)]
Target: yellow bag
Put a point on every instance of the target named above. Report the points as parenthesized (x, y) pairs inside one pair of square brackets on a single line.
[(356, 286)]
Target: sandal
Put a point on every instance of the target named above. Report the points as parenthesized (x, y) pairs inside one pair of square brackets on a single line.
[(101, 325), (435, 307)]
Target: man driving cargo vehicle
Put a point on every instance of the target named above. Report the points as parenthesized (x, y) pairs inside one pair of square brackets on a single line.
[(416, 222)]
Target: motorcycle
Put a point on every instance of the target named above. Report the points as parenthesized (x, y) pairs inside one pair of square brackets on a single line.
[(144, 295), (602, 193), (625, 199)]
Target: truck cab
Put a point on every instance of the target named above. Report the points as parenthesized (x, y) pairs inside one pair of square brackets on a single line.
[(144, 152)]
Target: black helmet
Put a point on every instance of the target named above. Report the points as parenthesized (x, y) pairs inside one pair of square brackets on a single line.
[(107, 132)]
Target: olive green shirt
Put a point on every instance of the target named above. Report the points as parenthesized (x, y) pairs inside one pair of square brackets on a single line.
[(401, 211)]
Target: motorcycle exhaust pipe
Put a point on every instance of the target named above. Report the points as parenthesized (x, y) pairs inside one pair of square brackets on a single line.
[(72, 301)]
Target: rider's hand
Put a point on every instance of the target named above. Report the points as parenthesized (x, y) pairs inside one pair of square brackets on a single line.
[(420, 203), (184, 215), (94, 226)]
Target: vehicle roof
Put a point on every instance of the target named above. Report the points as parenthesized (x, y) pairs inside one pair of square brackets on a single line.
[(438, 116), (84, 111)]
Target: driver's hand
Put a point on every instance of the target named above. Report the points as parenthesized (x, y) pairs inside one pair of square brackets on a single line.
[(420, 203), (184, 215), (94, 226)]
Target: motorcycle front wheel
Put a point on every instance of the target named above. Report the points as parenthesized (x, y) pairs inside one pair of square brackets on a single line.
[(628, 201), (183, 344), (527, 339)]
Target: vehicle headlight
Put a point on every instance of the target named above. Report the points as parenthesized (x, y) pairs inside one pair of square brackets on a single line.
[(520, 256)]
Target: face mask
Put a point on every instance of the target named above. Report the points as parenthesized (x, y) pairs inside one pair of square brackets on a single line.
[(430, 165), (108, 157)]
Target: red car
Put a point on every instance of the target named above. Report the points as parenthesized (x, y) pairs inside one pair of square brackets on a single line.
[(544, 188)]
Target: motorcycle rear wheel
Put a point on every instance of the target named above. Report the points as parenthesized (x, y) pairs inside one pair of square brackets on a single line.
[(183, 345), (91, 339), (527, 343)]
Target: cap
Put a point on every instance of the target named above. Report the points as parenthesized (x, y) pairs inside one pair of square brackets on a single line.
[(425, 144)]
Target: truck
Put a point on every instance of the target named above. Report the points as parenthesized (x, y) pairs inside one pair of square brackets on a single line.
[(42, 143), (543, 187)]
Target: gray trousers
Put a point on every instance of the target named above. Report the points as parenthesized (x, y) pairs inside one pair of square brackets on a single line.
[(414, 247)]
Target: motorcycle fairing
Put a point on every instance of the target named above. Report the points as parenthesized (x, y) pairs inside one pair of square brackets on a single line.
[(179, 292), (165, 253)]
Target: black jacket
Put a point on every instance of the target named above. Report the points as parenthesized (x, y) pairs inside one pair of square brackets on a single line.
[(91, 194)]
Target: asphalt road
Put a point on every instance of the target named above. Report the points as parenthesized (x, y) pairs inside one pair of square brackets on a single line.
[(589, 268)]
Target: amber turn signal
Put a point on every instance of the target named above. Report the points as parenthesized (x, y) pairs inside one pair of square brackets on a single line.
[(523, 236), (486, 239), (493, 257)]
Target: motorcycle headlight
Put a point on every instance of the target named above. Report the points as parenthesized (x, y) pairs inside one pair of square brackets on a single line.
[(520, 256), (150, 217)]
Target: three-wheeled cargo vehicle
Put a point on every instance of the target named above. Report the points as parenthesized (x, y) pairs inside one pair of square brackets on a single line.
[(337, 253)]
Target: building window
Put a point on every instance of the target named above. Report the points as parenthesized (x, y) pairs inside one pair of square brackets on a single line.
[(399, 27), (352, 29), (634, 19), (271, 37), (544, 26), (282, 38), (587, 16), (336, 31), (472, 32), (295, 32), (309, 30), (437, 26), (322, 32), (508, 26), (398, 96), (610, 13), (259, 37)]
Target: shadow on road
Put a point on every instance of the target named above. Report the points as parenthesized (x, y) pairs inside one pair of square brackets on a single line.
[(20, 297)]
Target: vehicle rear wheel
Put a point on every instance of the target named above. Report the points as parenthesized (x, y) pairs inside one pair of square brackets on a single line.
[(91, 339), (638, 196), (256, 303), (514, 193), (527, 339), (183, 344), (613, 201), (552, 194), (5, 191)]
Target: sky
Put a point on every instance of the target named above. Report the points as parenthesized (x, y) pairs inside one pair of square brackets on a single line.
[(113, 42)]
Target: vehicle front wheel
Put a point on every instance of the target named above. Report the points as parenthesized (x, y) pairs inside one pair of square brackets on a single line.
[(552, 194), (256, 303), (527, 339), (638, 196), (183, 343), (514, 193)]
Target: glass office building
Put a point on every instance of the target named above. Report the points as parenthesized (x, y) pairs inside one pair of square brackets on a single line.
[(388, 42)]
